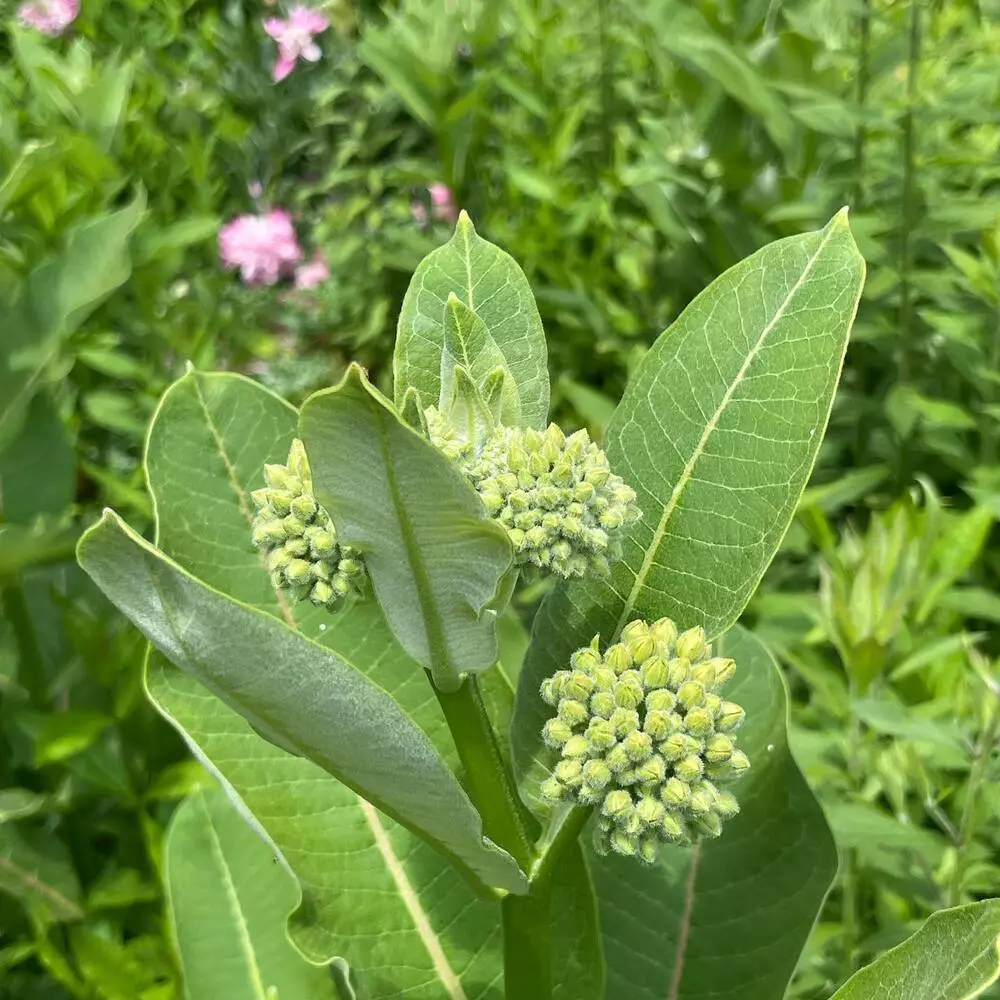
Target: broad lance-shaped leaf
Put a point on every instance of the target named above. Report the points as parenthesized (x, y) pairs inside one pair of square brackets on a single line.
[(468, 344), (728, 917), (207, 446), (717, 433), (491, 284), (954, 956), (301, 696), (434, 558), (227, 902)]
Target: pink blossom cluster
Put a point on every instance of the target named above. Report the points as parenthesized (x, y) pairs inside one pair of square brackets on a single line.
[(443, 206), (51, 17), (264, 247), (294, 36)]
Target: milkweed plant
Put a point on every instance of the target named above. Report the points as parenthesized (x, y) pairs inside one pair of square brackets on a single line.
[(476, 678)]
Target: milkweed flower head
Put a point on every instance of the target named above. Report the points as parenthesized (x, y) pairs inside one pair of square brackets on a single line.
[(297, 538), (50, 17), (263, 246), (295, 36), (645, 736)]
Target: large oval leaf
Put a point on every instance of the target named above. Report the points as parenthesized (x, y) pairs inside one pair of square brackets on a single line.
[(299, 695), (207, 447), (728, 917), (227, 902), (434, 557), (954, 956), (491, 283)]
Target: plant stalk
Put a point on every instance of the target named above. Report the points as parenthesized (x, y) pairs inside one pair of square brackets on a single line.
[(488, 778)]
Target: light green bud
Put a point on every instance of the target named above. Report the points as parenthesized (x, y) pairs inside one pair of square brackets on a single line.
[(718, 749), (569, 772), (673, 827), (618, 760), (665, 633), (704, 674), (296, 547), (673, 748), (713, 704), (633, 825), (649, 850), (552, 687), (587, 659), (739, 763), (578, 686), (303, 506), (556, 733), (641, 650), (675, 793), (268, 533), (730, 717), (660, 725), (576, 746), (322, 593), (596, 774), (698, 722), (688, 768), (492, 501), (597, 476), (604, 679), (724, 669), (709, 825), (535, 538), (518, 539), (635, 629), (661, 700), (655, 673), (617, 805), (701, 802), (618, 658), (551, 789), (690, 694), (573, 713), (297, 572), (726, 805), (628, 691), (322, 541), (638, 746), (281, 502), (652, 770), (601, 735), (678, 671), (602, 703), (623, 843), (650, 810), (625, 721), (693, 644)]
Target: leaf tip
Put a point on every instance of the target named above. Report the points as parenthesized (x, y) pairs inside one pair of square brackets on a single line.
[(840, 220), (464, 226)]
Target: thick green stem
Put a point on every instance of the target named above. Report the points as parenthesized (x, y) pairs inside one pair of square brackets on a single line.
[(487, 776), (31, 665)]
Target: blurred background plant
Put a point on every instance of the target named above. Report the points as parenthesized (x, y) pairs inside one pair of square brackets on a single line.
[(625, 152)]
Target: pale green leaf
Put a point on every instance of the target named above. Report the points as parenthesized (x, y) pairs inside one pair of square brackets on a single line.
[(729, 917), (299, 695), (954, 956), (207, 447), (434, 558), (490, 283), (228, 900)]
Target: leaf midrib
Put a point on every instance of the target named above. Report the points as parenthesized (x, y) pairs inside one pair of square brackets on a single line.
[(688, 471), (34, 883)]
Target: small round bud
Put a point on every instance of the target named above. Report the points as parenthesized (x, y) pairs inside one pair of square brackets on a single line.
[(625, 721), (650, 810), (665, 633), (635, 630), (673, 748), (689, 768), (552, 687), (578, 686), (638, 746), (601, 735), (661, 701), (642, 648), (573, 713), (690, 694), (596, 774), (322, 593), (730, 717), (713, 704), (618, 760), (701, 802), (698, 722), (739, 763), (603, 704), (673, 826), (724, 669), (268, 533), (709, 825), (556, 733), (303, 506), (649, 850), (629, 692), (660, 725), (587, 659), (605, 679), (618, 658), (551, 789), (655, 673), (569, 772), (718, 749), (675, 793), (704, 674), (576, 746), (617, 805), (726, 805), (622, 843), (692, 644), (678, 671), (651, 771), (297, 572)]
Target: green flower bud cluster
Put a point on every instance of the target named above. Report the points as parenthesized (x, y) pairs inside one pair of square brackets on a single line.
[(645, 736), (446, 439), (562, 506), (297, 536)]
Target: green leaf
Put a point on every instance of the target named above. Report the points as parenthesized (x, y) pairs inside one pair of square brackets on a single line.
[(228, 899), (58, 296), (491, 284), (728, 917), (207, 447), (954, 956), (717, 433), (315, 704), (434, 558), (854, 485), (37, 870)]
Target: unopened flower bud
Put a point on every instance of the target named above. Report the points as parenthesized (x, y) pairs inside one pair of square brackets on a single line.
[(701, 802), (675, 793), (709, 825), (601, 734), (698, 722), (650, 810), (678, 671), (576, 746), (556, 733), (587, 659), (578, 686), (655, 673), (718, 749), (638, 746), (665, 632), (551, 789), (629, 692), (661, 701), (673, 748), (690, 694), (622, 843), (724, 669), (618, 760), (625, 721), (689, 768), (730, 717), (651, 771), (649, 850), (673, 827), (692, 644), (603, 704), (573, 713), (617, 805), (618, 658), (569, 772), (726, 805), (596, 774)]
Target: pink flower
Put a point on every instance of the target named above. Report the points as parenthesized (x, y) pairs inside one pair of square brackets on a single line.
[(313, 274), (261, 246), (295, 38), (443, 202), (51, 17)]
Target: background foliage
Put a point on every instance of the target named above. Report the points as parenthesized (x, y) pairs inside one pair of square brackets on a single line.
[(625, 152)]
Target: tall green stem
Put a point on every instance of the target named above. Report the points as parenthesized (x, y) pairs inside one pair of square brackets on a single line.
[(861, 101), (488, 777)]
